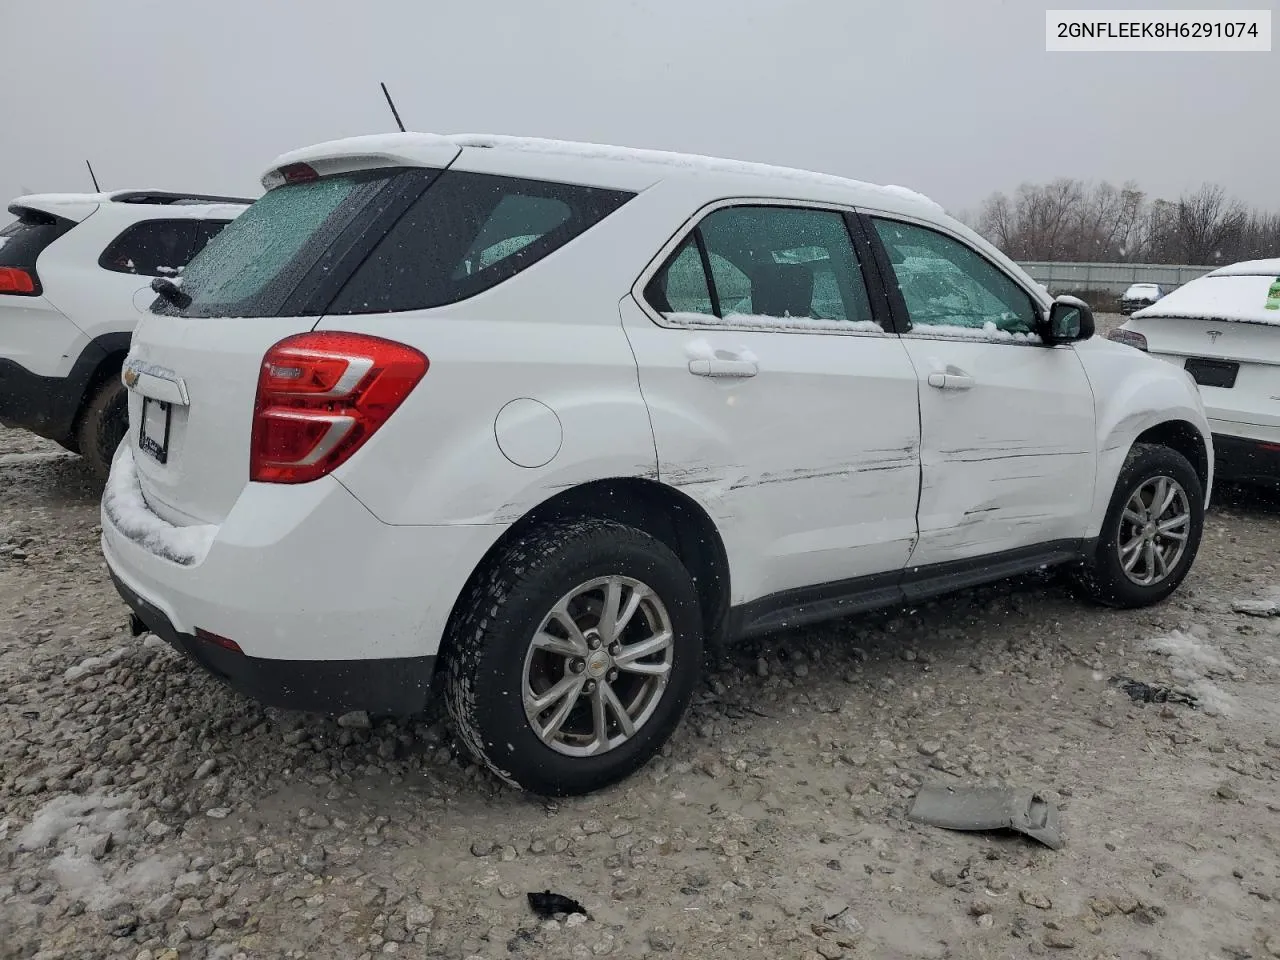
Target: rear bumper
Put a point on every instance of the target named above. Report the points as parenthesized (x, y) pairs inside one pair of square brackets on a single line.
[(46, 406), (333, 609), (1247, 459), (396, 687)]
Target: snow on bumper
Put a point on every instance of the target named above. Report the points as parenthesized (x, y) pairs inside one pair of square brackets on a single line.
[(124, 505), (294, 572)]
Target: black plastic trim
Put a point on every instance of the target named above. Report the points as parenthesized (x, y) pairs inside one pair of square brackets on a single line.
[(1246, 460), (393, 686), (166, 197), (813, 604)]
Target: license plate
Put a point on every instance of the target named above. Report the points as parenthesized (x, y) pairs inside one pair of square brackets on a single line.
[(1213, 373), (153, 434)]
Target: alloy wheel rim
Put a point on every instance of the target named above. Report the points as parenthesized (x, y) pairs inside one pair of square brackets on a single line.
[(597, 666), (1155, 526)]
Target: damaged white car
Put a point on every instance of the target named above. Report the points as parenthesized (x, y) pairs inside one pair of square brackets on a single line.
[(551, 418)]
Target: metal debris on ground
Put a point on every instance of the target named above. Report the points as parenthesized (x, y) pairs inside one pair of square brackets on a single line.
[(548, 904), (1142, 692), (988, 808)]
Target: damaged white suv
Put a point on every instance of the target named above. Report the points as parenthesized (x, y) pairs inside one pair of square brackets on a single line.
[(553, 418)]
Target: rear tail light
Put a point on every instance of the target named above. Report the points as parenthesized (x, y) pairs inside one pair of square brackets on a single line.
[(1129, 338), (16, 280), (321, 395)]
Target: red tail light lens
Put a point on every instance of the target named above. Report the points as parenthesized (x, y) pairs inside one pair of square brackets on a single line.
[(321, 396), (15, 280)]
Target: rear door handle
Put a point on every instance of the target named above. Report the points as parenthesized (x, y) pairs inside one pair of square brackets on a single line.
[(950, 381), (724, 368)]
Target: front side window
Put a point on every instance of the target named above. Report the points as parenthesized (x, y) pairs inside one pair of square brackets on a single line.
[(951, 290), (152, 248), (771, 266)]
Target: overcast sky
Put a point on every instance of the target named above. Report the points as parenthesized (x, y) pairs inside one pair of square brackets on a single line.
[(956, 98)]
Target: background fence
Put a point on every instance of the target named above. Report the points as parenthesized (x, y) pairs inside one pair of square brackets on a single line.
[(1109, 278)]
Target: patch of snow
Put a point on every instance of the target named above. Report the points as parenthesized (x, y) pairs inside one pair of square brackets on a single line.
[(682, 161), (126, 507), (988, 331), (1241, 298), (1186, 651), (93, 665), (1193, 660), (1249, 268), (1137, 290), (762, 322), (3, 241), (699, 350), (75, 820), (171, 272)]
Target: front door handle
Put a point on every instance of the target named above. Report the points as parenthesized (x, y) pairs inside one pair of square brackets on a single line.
[(950, 381), (724, 368)]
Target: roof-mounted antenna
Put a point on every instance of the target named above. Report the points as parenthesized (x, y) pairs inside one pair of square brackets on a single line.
[(93, 176), (391, 103)]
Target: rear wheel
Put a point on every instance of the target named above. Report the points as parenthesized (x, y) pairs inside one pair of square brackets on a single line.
[(574, 656), (103, 425), (1151, 533)]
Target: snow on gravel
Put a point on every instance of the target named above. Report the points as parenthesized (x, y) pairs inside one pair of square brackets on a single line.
[(148, 812)]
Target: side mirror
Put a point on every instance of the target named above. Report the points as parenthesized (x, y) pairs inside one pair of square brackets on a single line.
[(1070, 321)]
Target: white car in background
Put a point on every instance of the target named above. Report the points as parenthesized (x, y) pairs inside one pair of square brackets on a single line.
[(1140, 295), (551, 417), (75, 275), (1224, 330)]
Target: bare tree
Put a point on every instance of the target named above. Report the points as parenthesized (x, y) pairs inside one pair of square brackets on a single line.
[(1075, 221)]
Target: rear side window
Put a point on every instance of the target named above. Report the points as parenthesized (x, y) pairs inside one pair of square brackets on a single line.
[(469, 232), (152, 248), (22, 241)]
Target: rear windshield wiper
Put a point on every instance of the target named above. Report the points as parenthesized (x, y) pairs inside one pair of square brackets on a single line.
[(171, 292)]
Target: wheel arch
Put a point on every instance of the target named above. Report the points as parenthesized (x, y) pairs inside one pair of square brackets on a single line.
[(113, 347), (666, 514), (1184, 438)]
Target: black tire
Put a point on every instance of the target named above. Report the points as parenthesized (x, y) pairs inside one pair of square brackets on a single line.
[(103, 425), (492, 630), (1102, 577)]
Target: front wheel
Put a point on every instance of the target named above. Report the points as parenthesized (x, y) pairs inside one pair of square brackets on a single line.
[(1151, 532), (573, 656)]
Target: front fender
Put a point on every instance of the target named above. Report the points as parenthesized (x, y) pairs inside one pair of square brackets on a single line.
[(1134, 393)]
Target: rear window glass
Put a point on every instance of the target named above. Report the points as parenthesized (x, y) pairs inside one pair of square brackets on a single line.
[(254, 265), (469, 232), (152, 248), (22, 241)]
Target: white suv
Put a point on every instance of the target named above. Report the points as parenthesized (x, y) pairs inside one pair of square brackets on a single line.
[(75, 270), (554, 418)]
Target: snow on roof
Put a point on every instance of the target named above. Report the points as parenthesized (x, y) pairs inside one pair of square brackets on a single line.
[(1218, 296), (1250, 268), (418, 146), (80, 205), (681, 161)]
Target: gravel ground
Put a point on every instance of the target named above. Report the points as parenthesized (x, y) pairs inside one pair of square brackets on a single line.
[(147, 812)]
